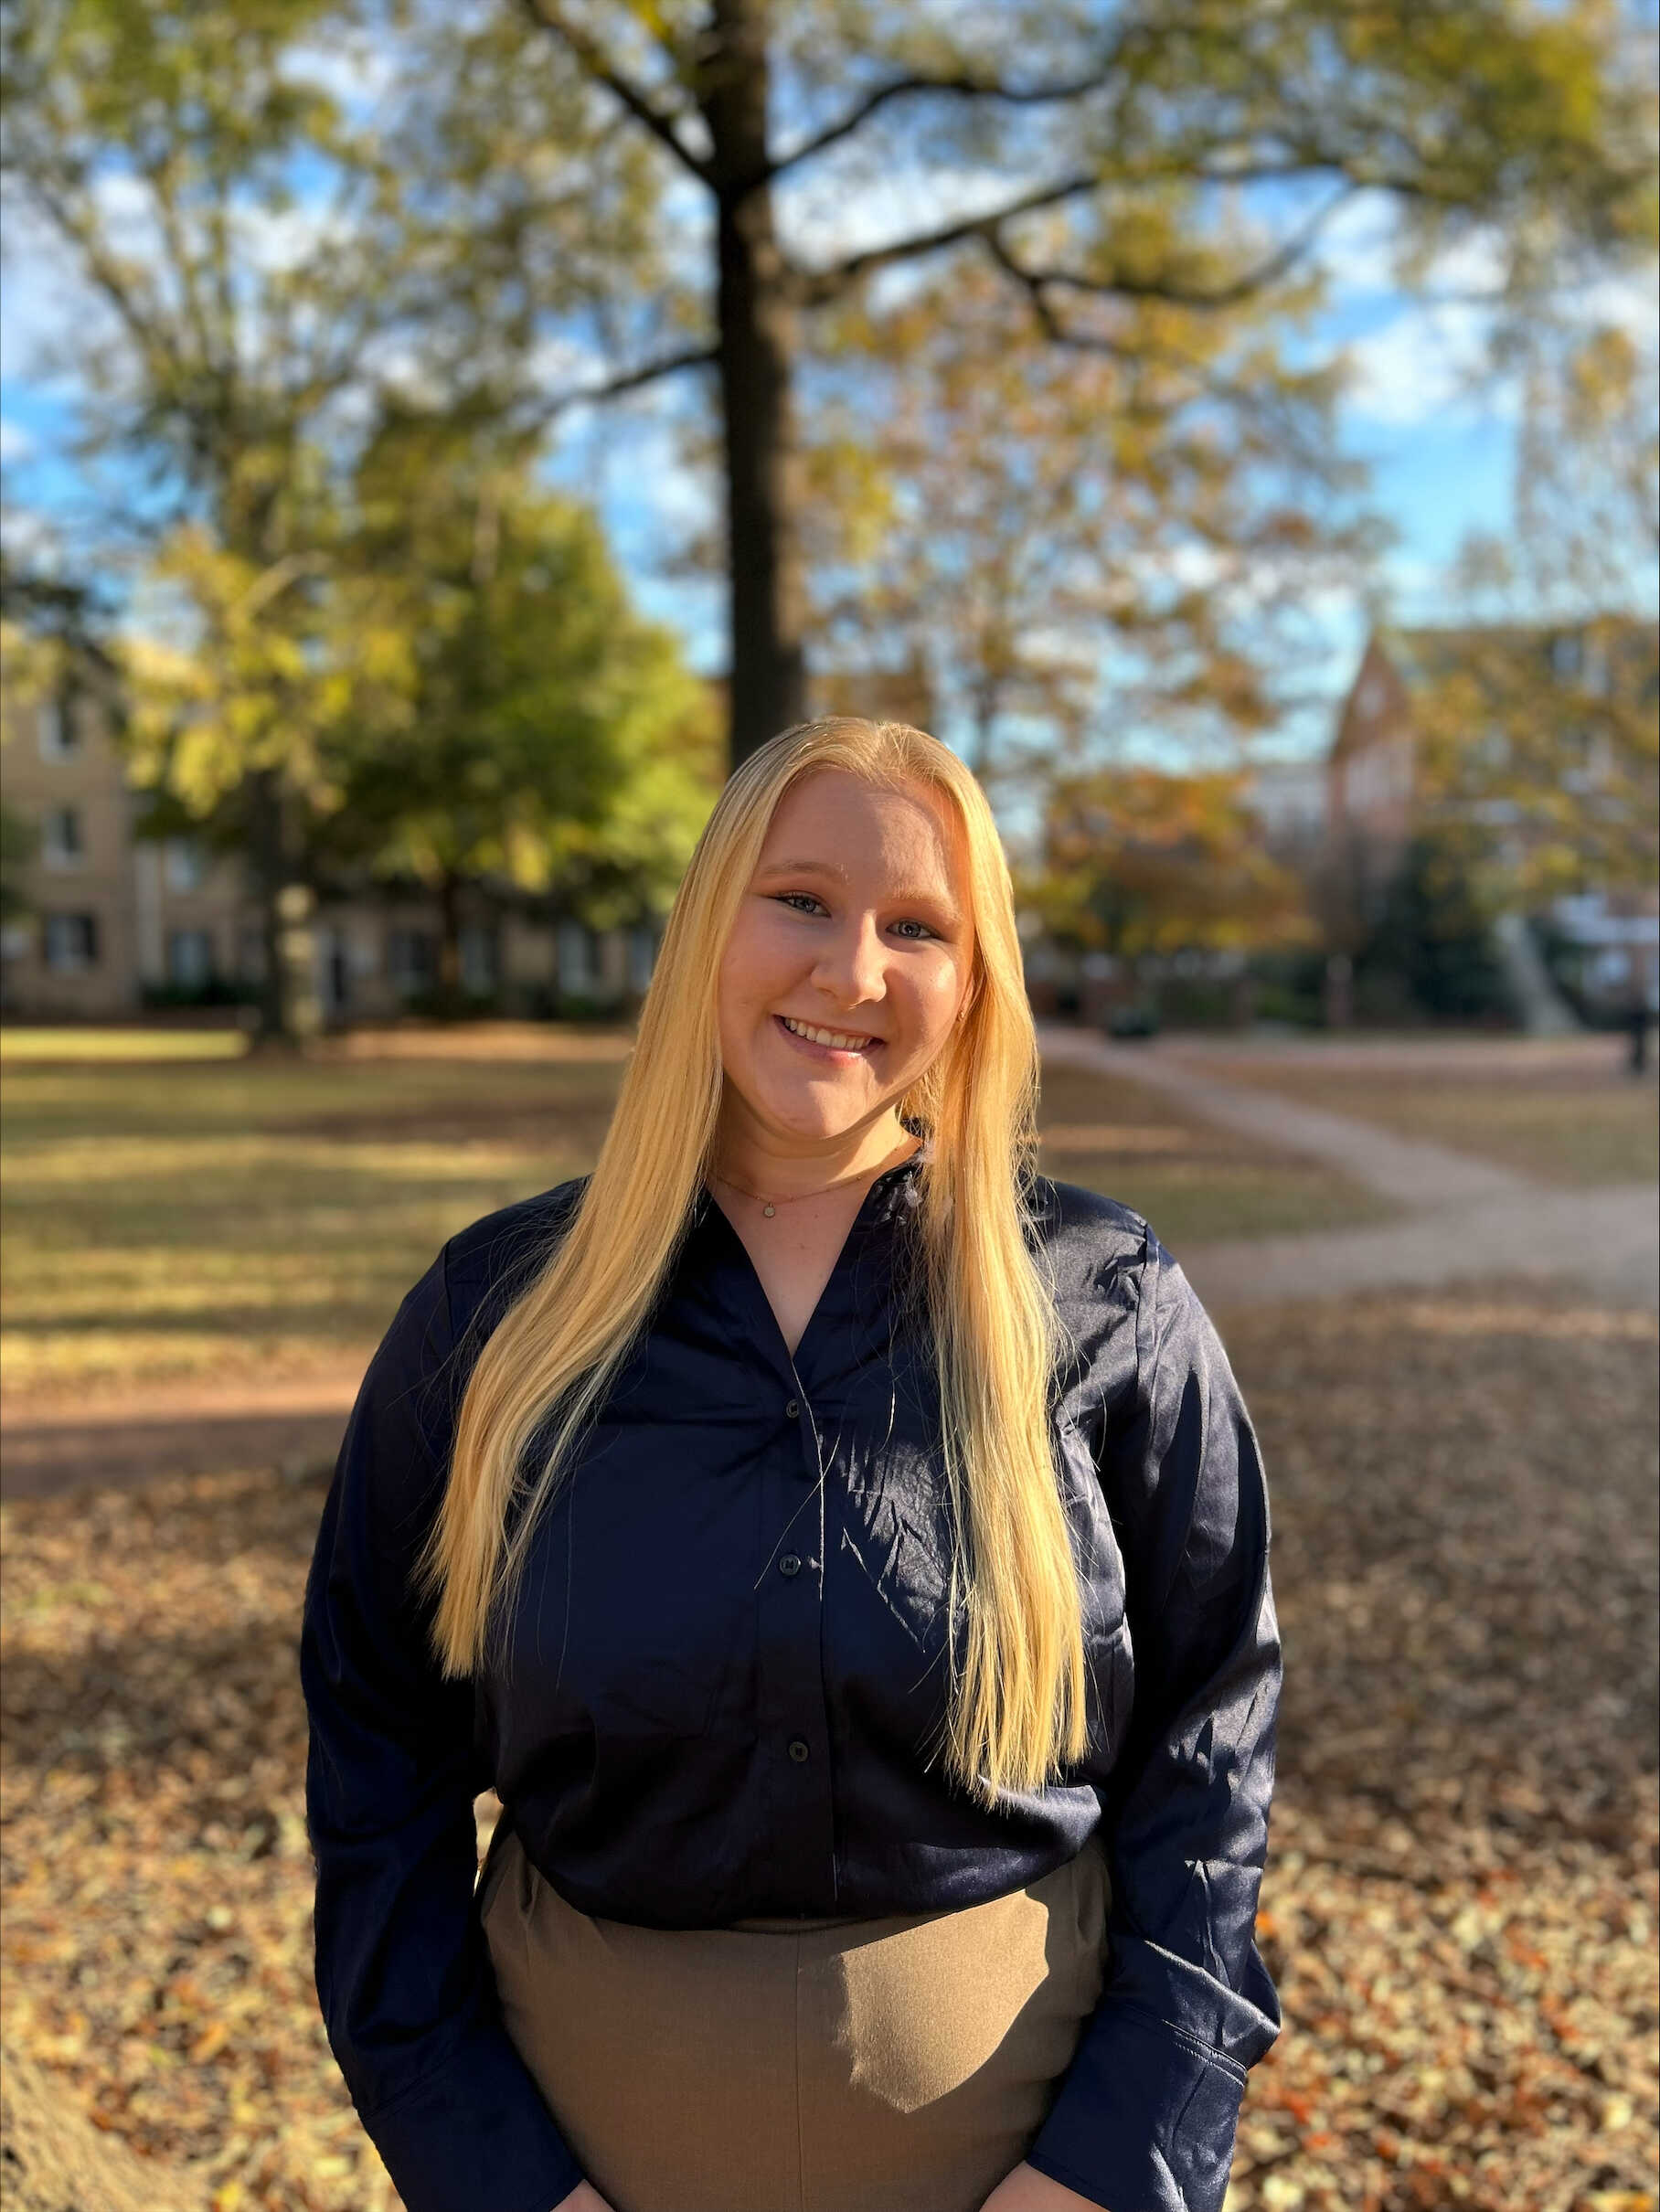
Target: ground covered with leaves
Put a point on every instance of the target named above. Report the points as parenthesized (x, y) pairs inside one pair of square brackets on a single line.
[(1461, 1906)]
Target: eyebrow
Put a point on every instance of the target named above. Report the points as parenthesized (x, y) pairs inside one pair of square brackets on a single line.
[(941, 901), (804, 868)]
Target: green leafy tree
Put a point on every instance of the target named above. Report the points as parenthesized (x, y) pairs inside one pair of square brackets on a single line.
[(1432, 951), (258, 267), (523, 723)]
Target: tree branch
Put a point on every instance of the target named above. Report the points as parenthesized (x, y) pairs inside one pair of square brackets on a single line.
[(1174, 294), (631, 380), (549, 17), (818, 287), (961, 87)]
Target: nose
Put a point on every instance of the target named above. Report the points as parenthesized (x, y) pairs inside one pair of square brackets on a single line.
[(852, 966)]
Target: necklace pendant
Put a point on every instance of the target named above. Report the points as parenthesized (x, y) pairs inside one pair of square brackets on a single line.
[(769, 1211)]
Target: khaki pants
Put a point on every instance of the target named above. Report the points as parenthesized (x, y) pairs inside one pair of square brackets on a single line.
[(897, 2065)]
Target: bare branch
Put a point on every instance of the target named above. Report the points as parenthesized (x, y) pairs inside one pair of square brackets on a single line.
[(549, 17), (961, 87), (1122, 285), (105, 271), (631, 380), (818, 287)]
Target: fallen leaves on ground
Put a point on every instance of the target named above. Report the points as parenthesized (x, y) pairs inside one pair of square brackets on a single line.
[(1461, 1904)]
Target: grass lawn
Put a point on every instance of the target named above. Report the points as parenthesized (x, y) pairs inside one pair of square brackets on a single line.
[(1460, 1904), (251, 1220), (1575, 1122), (211, 1219), (1195, 1183)]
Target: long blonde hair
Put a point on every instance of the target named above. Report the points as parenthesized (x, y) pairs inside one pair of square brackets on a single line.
[(1016, 1708)]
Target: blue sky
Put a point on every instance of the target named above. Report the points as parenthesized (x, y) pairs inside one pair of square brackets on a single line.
[(1440, 446)]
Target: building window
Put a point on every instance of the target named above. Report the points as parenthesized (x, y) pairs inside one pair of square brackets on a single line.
[(411, 961), (59, 735), (189, 959), (478, 963), (1567, 658), (576, 960), (70, 943), (60, 839), (642, 956), (183, 864)]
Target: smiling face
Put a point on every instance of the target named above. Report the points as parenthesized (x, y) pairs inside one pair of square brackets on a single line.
[(849, 958)]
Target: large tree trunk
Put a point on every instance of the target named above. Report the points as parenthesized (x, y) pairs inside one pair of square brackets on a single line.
[(757, 344)]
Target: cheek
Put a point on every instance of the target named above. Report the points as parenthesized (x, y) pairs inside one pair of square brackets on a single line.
[(743, 968), (938, 995)]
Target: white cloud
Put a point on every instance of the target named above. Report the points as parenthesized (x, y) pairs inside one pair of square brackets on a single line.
[(47, 317), (1426, 361), (31, 538), (16, 444)]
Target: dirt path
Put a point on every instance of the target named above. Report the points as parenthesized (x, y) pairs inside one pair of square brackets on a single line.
[(52, 1445)]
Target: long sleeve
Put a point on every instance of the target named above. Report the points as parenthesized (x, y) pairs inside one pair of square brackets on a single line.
[(1144, 2118), (403, 1974)]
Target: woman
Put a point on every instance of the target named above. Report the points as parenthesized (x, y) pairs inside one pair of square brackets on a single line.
[(845, 1552)]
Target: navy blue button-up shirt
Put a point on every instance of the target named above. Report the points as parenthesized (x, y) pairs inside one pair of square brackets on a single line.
[(725, 1681)]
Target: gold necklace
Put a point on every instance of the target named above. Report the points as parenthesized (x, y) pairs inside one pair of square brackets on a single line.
[(769, 1206)]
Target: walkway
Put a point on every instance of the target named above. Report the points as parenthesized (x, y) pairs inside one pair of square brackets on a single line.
[(1464, 1218), (179, 1430)]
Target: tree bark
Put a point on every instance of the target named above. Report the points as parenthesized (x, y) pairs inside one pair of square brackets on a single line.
[(757, 348), (289, 1010)]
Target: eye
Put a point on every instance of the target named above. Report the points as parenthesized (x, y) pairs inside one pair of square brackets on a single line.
[(788, 898), (912, 924)]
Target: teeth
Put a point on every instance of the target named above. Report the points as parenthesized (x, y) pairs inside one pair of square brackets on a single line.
[(826, 1036)]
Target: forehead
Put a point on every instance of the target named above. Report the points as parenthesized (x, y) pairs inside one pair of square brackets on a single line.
[(831, 819)]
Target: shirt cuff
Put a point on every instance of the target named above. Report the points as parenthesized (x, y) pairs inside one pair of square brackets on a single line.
[(1146, 2115), (474, 2135)]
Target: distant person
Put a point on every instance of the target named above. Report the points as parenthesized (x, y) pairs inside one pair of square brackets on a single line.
[(1639, 1014), (845, 1551)]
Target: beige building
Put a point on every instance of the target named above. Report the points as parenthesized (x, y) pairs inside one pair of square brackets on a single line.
[(117, 922)]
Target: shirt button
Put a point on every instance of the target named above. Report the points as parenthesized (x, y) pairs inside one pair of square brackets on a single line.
[(793, 1409), (798, 1750), (789, 1564)]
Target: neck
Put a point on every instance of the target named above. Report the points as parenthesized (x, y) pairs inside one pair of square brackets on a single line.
[(759, 1159)]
